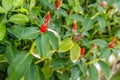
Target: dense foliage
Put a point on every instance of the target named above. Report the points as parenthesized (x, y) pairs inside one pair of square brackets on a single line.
[(57, 39)]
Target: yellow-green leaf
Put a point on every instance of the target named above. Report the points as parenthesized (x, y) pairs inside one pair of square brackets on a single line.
[(2, 31), (75, 52), (19, 19), (66, 45), (2, 10)]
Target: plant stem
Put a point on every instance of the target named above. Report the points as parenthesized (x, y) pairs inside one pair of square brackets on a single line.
[(91, 62), (32, 47)]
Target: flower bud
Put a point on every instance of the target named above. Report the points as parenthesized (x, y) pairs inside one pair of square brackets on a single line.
[(74, 26), (57, 6)]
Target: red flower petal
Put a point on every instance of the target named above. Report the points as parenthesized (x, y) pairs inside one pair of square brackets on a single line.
[(74, 26), (57, 6), (43, 27), (47, 19)]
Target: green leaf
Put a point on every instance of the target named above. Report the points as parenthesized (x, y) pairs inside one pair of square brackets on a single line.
[(60, 63), (87, 24), (30, 33), (104, 68), (7, 4), (34, 73), (66, 45), (43, 46), (63, 76), (47, 70), (93, 72), (101, 22), (100, 42), (2, 31), (75, 52), (118, 33), (10, 52), (18, 2), (20, 64), (75, 73), (2, 10), (19, 19), (53, 39), (105, 53), (2, 58), (32, 3), (24, 33)]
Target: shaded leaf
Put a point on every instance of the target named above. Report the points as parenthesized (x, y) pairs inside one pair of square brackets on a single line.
[(104, 68), (101, 22), (93, 72), (53, 39), (19, 66), (105, 53), (34, 73)]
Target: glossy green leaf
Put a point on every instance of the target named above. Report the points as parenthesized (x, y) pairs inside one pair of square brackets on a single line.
[(87, 24), (7, 4), (34, 73), (75, 72), (63, 76), (24, 33), (101, 22), (2, 10), (105, 53), (53, 39), (19, 19), (2, 31), (30, 33), (100, 42), (66, 45), (47, 70), (60, 63), (75, 52), (93, 72), (18, 2), (104, 68), (43, 45), (20, 64)]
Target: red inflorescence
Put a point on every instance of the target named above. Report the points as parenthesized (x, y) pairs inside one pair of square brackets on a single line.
[(82, 51), (43, 28), (47, 19), (102, 4), (57, 6), (111, 45), (74, 26)]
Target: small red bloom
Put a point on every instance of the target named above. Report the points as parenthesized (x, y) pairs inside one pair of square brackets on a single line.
[(47, 19), (57, 6), (111, 45), (102, 4), (43, 27), (74, 26), (82, 51)]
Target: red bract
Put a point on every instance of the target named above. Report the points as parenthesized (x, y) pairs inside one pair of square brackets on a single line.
[(74, 26), (43, 27), (57, 6), (47, 19), (111, 45), (82, 51), (102, 4)]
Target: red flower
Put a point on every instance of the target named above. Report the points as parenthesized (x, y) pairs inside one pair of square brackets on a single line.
[(74, 26), (57, 6), (111, 45), (47, 19), (43, 27), (82, 51), (102, 4)]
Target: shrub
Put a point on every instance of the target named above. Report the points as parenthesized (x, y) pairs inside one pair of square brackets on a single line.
[(58, 39)]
